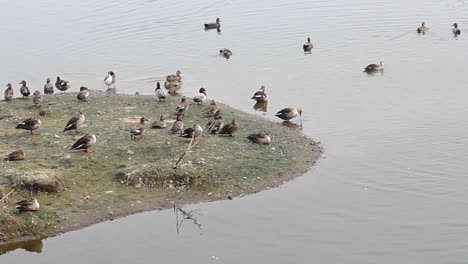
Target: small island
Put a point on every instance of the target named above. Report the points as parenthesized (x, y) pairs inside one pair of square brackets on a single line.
[(122, 176)]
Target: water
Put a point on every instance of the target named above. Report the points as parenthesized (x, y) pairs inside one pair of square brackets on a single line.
[(392, 187)]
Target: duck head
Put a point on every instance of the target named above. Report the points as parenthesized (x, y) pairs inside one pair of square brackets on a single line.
[(162, 118), (262, 88), (143, 120), (48, 80), (178, 72), (8, 85), (423, 24), (37, 93), (218, 20), (202, 90), (455, 25), (23, 82), (299, 110), (183, 99), (111, 73), (158, 85), (83, 88), (381, 64), (58, 78), (308, 40)]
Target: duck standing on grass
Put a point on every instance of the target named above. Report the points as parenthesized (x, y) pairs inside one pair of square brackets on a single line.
[(217, 115), (139, 129), (455, 30), (289, 113), (183, 106), (216, 125), (160, 93), (30, 124), (178, 125), (62, 85), (211, 108), (83, 94), (85, 143), (307, 47), (260, 138), (200, 97), (371, 68), (260, 95), (37, 97), (230, 128), (193, 132), (161, 123), (8, 94), (75, 122), (16, 155), (48, 87), (28, 205), (110, 80), (214, 25), (24, 90)]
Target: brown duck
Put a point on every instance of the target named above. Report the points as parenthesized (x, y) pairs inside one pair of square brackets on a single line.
[(8, 94), (230, 128), (16, 155), (260, 138), (28, 205), (161, 123), (30, 124)]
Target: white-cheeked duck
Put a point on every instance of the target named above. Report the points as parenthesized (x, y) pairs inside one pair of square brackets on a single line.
[(75, 122), (30, 124), (289, 113)]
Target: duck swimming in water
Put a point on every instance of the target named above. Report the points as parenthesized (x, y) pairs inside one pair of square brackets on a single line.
[(422, 29), (24, 90), (48, 87), (289, 113), (85, 143), (200, 97), (16, 155), (75, 122), (160, 93), (455, 30), (374, 67), (110, 79), (28, 205), (227, 53), (260, 138), (8, 94), (62, 85), (30, 124), (260, 95), (214, 25), (307, 47)]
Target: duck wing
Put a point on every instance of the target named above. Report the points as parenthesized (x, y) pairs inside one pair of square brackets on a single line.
[(71, 123), (82, 142)]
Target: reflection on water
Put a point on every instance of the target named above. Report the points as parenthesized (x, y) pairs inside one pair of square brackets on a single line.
[(30, 246), (261, 106), (292, 125)]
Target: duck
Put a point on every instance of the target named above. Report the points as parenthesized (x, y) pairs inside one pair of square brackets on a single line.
[(30, 124), (200, 97), (110, 79), (75, 122), (8, 94), (160, 93), (260, 95), (227, 53), (308, 45), (16, 155), (172, 87), (183, 106), (139, 129), (48, 87), (161, 123), (214, 25), (455, 29), (37, 97), (216, 125), (217, 115), (289, 113), (31, 205), (174, 77), (192, 132), (230, 128), (211, 108), (422, 29), (261, 138), (62, 85), (374, 67), (83, 94), (178, 125), (85, 142), (24, 90)]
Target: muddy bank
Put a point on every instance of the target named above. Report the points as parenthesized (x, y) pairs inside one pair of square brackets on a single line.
[(123, 176)]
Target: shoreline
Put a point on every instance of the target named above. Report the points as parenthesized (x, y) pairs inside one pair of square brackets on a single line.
[(142, 198)]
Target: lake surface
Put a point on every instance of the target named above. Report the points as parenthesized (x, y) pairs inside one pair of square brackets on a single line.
[(392, 186)]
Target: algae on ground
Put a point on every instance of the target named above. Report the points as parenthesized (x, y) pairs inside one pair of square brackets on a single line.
[(123, 176)]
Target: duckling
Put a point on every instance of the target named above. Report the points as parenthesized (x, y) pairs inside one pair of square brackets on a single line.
[(62, 85), (217, 115), (139, 129), (75, 122), (37, 97), (83, 94), (260, 138), (183, 106), (159, 124), (289, 113), (227, 53), (172, 87), (216, 125), (374, 67), (260, 95), (48, 87), (211, 108), (455, 29), (307, 46), (110, 79), (85, 143), (200, 97), (28, 205), (214, 25), (8, 93), (422, 29), (160, 93), (230, 128), (24, 90), (16, 155), (30, 124), (195, 131), (174, 77), (178, 125)]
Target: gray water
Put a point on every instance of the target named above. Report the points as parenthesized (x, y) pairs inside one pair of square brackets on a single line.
[(392, 186)]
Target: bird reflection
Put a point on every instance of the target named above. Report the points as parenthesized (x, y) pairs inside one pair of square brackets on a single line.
[(292, 125), (30, 246), (261, 106)]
